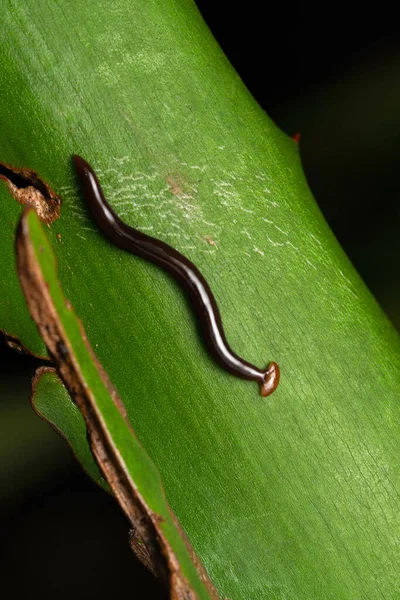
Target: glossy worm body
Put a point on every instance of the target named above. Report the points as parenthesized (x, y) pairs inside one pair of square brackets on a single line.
[(185, 272)]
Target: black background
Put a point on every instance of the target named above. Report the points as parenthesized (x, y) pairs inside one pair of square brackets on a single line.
[(334, 79)]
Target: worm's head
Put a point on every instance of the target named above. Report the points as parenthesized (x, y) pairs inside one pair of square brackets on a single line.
[(271, 379)]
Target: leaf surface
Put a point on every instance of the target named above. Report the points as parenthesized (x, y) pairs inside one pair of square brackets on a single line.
[(292, 497)]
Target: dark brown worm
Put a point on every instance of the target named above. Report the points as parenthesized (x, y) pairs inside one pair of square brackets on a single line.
[(185, 272)]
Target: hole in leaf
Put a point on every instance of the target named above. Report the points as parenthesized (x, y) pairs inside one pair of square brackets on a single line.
[(28, 188)]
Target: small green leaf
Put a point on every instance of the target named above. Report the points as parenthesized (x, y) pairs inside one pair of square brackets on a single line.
[(53, 403)]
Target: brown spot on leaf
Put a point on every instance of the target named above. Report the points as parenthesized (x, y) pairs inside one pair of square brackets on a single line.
[(28, 188), (175, 183), (179, 185), (210, 241)]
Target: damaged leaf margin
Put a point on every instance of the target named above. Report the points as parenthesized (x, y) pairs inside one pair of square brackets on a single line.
[(29, 189), (156, 535)]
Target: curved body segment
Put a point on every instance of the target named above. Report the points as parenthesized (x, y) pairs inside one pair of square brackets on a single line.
[(183, 270)]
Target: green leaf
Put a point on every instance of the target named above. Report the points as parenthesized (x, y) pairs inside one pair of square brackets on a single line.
[(53, 403), (127, 468), (295, 496)]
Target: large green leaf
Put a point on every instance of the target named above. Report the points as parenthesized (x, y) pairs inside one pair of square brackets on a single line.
[(295, 496)]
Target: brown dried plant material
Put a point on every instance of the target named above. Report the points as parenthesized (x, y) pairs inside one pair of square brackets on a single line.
[(29, 189)]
